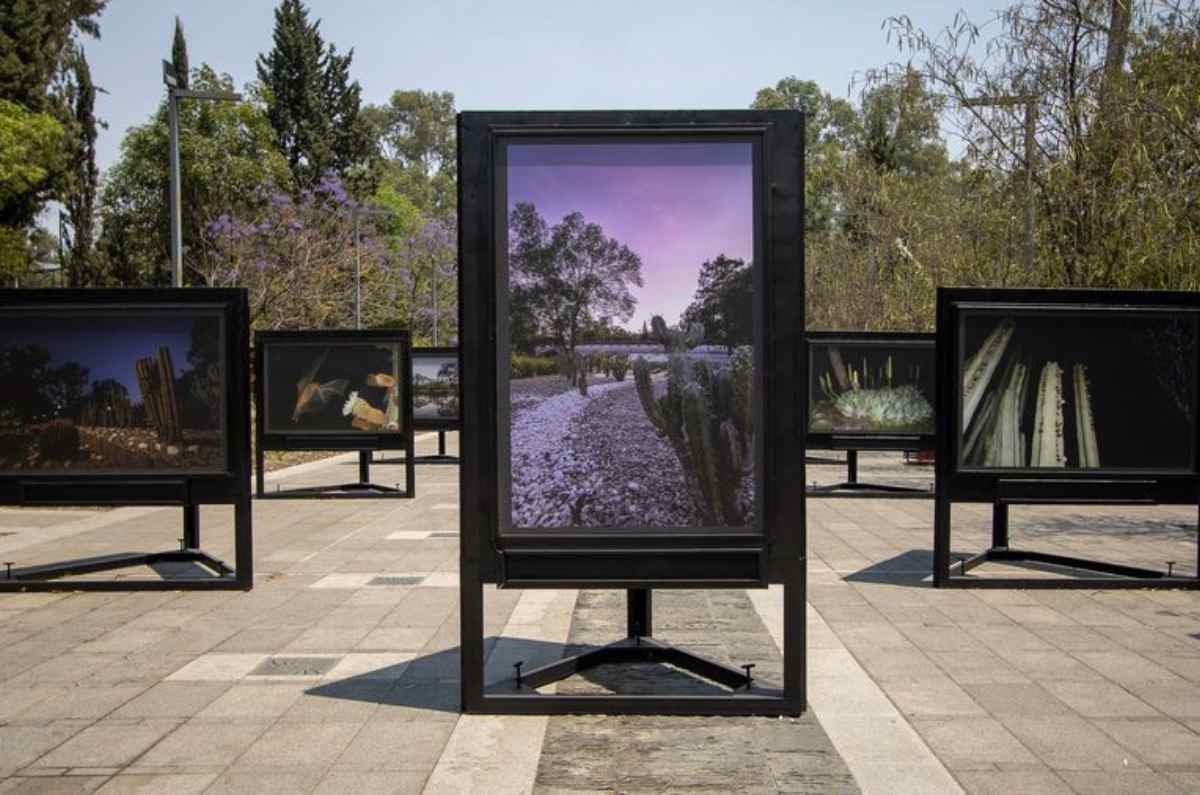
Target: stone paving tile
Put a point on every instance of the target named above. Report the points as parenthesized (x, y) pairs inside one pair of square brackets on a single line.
[(203, 744), (108, 743), (1016, 699), (391, 782), (1122, 782), (256, 782), (292, 746), (254, 701), (158, 784), (172, 700), (974, 744), (1100, 699), (64, 785), (1158, 742), (1012, 782), (1068, 742)]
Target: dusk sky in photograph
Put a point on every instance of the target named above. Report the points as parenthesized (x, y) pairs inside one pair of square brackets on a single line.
[(108, 347), (674, 204)]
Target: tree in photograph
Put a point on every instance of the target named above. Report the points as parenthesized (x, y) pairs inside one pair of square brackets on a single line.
[(724, 302), (311, 102), (568, 275)]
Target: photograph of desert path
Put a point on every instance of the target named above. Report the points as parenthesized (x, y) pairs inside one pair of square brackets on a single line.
[(100, 392), (630, 334)]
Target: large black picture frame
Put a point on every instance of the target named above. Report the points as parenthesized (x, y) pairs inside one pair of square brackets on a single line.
[(188, 490), (633, 560), (365, 443), (1045, 486), (854, 442)]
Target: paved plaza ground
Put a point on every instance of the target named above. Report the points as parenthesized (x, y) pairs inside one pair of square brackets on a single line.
[(339, 671)]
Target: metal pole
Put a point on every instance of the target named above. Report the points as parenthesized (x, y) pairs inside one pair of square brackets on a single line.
[(1030, 120), (357, 273), (176, 205)]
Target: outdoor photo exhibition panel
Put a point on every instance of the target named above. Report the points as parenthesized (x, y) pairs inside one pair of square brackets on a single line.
[(127, 397), (435, 400), (334, 390), (657, 258), (1064, 397), (870, 390)]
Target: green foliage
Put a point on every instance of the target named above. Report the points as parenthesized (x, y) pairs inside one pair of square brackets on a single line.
[(82, 180), (415, 134), (30, 150), (564, 276), (724, 304), (707, 416), (522, 366), (312, 104), (58, 440), (618, 366), (228, 160)]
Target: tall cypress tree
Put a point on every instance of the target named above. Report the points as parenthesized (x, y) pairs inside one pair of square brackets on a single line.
[(179, 56), (79, 195), (312, 103)]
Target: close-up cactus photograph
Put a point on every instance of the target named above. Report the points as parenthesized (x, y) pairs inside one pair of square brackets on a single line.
[(1038, 391), (863, 388), (648, 417)]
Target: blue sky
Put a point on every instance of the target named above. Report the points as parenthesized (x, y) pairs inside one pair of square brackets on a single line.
[(521, 55)]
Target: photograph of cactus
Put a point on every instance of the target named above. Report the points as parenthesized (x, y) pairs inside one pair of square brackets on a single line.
[(100, 392), (1078, 389), (630, 333), (435, 386), (333, 388), (868, 388)]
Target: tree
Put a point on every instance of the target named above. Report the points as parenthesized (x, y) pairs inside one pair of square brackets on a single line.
[(415, 134), (568, 275), (82, 181), (899, 128), (179, 56), (38, 42), (31, 148), (311, 102), (1095, 184), (227, 157), (829, 123), (724, 302)]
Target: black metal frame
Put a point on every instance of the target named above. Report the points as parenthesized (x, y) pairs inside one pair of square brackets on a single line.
[(364, 443), (183, 489), (1029, 486), (637, 561), (854, 442)]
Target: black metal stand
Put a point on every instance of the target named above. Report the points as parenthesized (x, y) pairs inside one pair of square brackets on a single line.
[(638, 647), (853, 487), (519, 695), (363, 489), (221, 576), (1103, 574), (440, 458)]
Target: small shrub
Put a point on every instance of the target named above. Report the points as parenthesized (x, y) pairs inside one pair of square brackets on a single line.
[(618, 367), (59, 441), (523, 366)]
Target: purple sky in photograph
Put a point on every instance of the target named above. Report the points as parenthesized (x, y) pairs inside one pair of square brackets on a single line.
[(108, 347), (675, 204)]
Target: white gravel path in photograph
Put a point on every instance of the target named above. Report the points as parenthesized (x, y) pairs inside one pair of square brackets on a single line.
[(545, 469)]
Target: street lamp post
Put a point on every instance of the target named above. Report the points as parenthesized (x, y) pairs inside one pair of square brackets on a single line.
[(174, 94), (355, 213), (1030, 103)]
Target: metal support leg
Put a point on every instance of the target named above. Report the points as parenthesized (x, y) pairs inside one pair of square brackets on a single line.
[(639, 612), (941, 542), (364, 466), (260, 472), (851, 467), (191, 526), (1000, 525), (441, 443)]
